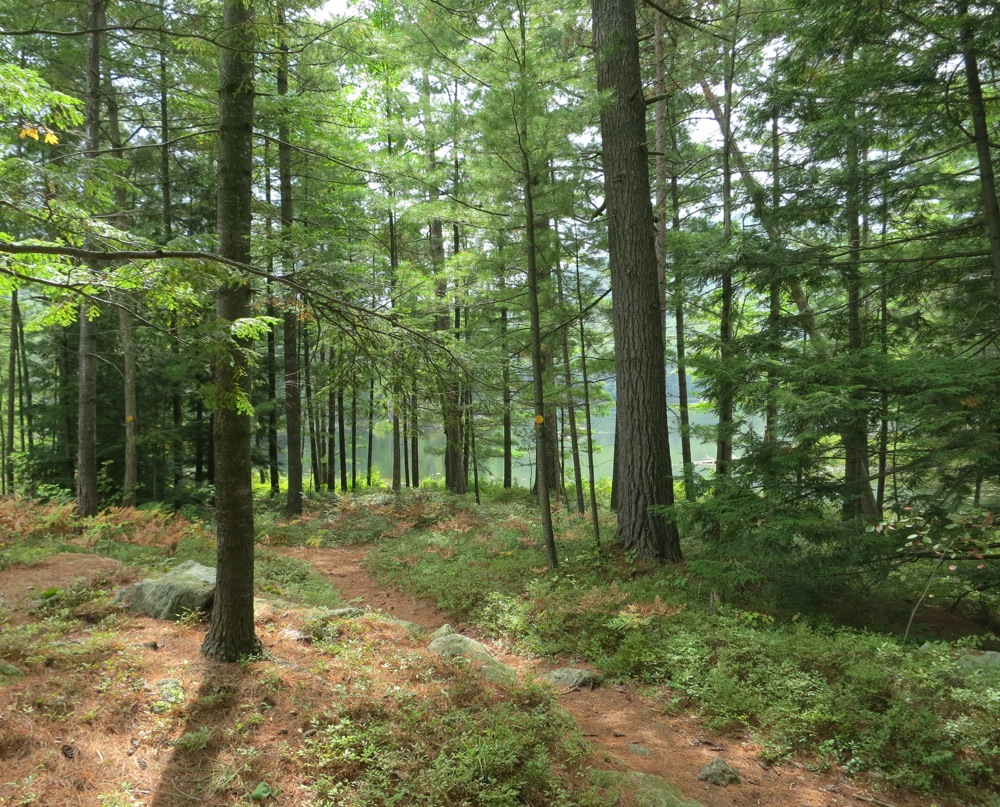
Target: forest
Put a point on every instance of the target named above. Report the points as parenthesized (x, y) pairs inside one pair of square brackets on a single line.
[(265, 261)]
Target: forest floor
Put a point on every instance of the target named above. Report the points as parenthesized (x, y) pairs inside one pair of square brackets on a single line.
[(79, 728), (618, 718)]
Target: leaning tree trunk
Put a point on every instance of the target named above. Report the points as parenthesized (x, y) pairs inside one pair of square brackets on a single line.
[(231, 635), (643, 458), (981, 135)]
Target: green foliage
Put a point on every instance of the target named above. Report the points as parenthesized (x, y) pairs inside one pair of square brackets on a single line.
[(853, 699), (292, 579), (480, 751), (194, 739)]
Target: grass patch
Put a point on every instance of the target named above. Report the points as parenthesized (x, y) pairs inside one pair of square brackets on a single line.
[(293, 580), (843, 697)]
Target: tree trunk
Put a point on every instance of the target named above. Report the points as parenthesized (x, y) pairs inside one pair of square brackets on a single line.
[(371, 429), (24, 392), (643, 458), (165, 190), (406, 447), (293, 414), (542, 425), (586, 403), (354, 434), (311, 424), (177, 414), (507, 395), (331, 434), (231, 634), (130, 482), (859, 501), (272, 399), (396, 480), (724, 404), (343, 440), (574, 437), (414, 442), (86, 433), (290, 319), (981, 135), (774, 297), (11, 394), (667, 188)]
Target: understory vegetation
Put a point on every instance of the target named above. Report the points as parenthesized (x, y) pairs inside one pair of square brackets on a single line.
[(347, 712), (836, 682), (822, 674)]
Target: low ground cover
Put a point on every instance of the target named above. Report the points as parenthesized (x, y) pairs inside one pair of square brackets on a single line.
[(103, 707), (359, 712)]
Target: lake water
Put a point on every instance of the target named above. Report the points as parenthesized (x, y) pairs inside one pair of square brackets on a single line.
[(432, 448)]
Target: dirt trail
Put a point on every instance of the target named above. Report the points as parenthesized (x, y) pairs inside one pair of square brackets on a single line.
[(633, 732)]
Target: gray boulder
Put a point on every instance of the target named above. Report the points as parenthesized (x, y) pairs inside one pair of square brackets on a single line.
[(980, 658), (454, 645), (444, 630), (189, 587), (717, 772), (571, 678)]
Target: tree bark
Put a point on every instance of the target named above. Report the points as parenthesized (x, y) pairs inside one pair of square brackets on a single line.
[(981, 135), (858, 499), (414, 442), (274, 474), (354, 434), (293, 414), (86, 433), (231, 634), (130, 481), (371, 429), (343, 440), (11, 395), (586, 404), (643, 459)]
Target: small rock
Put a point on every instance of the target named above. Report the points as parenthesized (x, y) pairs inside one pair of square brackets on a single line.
[(717, 772), (571, 678), (455, 645), (641, 750), (297, 635), (444, 630)]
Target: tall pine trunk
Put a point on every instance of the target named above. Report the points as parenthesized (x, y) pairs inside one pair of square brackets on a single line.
[(231, 634), (293, 413), (643, 455), (86, 431)]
